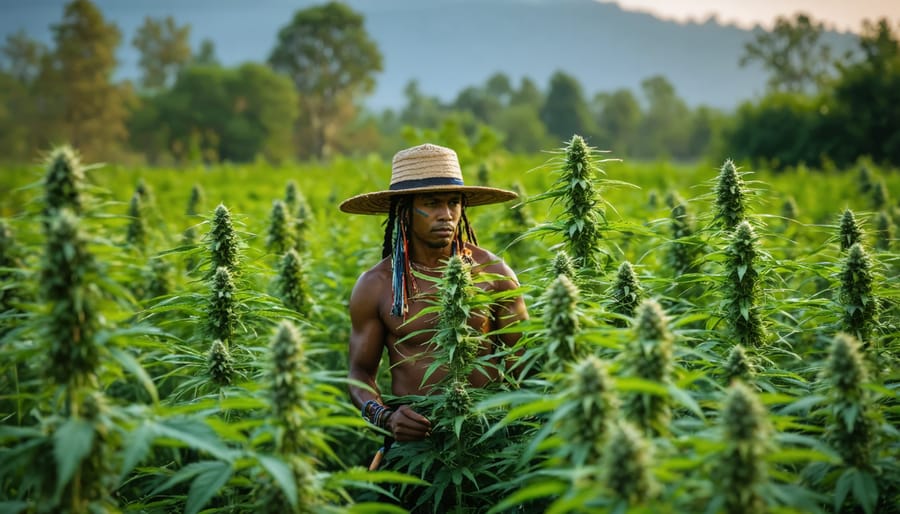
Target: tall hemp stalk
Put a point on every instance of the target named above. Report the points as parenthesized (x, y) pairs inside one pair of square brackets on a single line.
[(63, 181), (851, 429), (628, 465), (300, 214), (649, 356), (730, 205), (561, 325), (562, 265), (189, 237), (741, 288), (742, 472), (850, 231), (136, 235), (221, 314), (223, 242), (279, 237), (589, 390), (582, 219), (681, 254), (291, 283), (857, 297), (626, 293), (884, 231), (738, 366), (289, 400)]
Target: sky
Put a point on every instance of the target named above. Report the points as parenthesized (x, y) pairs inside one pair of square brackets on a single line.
[(842, 15)]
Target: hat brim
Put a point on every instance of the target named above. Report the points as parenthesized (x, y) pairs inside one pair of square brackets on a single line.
[(379, 202)]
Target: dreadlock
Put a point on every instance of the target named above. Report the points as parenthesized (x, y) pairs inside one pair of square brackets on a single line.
[(396, 244)]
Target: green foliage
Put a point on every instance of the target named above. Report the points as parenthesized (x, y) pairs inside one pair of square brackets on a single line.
[(857, 296), (742, 288), (222, 315), (850, 230), (627, 465), (136, 236), (291, 283), (730, 196), (682, 251), (64, 181), (742, 470), (738, 366), (627, 292), (561, 323), (279, 237), (589, 389), (649, 356), (565, 111), (223, 242), (165, 49), (288, 387), (331, 33)]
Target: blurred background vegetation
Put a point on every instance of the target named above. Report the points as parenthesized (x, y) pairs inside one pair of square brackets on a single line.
[(306, 101)]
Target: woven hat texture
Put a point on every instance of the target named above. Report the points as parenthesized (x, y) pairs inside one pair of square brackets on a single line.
[(425, 168)]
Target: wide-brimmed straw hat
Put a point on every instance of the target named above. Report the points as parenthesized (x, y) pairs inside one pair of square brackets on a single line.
[(424, 169)]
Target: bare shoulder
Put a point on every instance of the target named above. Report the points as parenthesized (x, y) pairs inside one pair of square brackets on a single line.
[(488, 262), (371, 283)]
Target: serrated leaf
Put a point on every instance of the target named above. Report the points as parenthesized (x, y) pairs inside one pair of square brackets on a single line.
[(206, 485), (283, 476), (71, 443)]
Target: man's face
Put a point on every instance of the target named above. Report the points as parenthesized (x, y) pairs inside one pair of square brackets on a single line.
[(435, 218)]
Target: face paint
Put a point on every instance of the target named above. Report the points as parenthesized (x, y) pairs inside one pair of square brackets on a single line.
[(421, 212)]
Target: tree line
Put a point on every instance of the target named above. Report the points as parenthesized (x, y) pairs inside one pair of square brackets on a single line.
[(306, 100)]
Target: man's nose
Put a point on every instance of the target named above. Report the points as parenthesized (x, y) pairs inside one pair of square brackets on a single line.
[(445, 212)]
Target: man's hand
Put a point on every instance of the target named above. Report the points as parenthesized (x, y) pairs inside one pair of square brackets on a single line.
[(406, 424)]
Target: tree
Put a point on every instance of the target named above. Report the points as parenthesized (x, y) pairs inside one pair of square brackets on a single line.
[(164, 49), (420, 111), (22, 57), (481, 103), (231, 114), (527, 95), (866, 117), (206, 56), (327, 53), (565, 112), (792, 53), (93, 108), (664, 128), (618, 117)]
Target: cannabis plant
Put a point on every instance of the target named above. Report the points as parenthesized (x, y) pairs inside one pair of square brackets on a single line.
[(742, 469), (221, 312), (561, 324), (223, 242), (626, 293), (64, 181), (562, 265), (879, 195), (851, 428), (627, 466), (738, 366), (649, 357), (279, 237), (730, 205), (742, 288), (590, 407), (288, 388), (850, 230), (195, 200), (64, 286), (220, 364), (136, 237), (11, 271), (291, 283), (857, 296), (681, 253), (884, 231)]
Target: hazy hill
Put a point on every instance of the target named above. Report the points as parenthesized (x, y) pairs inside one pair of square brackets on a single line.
[(450, 44)]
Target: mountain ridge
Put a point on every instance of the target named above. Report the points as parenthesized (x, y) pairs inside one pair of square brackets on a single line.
[(447, 45)]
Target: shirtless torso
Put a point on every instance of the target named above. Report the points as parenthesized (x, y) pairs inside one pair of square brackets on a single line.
[(374, 329)]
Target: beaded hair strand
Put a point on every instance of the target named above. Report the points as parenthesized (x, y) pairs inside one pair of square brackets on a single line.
[(396, 244)]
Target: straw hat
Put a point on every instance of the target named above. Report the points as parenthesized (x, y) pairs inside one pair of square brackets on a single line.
[(424, 169)]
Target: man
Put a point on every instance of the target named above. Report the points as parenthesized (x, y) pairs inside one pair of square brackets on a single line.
[(426, 224)]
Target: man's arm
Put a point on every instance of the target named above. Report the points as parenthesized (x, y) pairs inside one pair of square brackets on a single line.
[(367, 339)]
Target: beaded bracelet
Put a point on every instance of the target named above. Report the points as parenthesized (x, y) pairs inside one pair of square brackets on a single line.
[(379, 413)]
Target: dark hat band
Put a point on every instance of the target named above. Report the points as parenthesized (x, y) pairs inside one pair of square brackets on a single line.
[(426, 182)]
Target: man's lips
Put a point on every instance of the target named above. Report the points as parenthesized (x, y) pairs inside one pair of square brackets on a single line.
[(443, 230)]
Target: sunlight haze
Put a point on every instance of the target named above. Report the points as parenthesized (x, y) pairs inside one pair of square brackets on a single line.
[(842, 15)]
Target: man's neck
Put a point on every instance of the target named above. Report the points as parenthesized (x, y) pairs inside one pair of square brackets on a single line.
[(426, 257)]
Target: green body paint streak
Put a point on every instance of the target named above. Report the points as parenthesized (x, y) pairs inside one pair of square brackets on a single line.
[(421, 212)]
